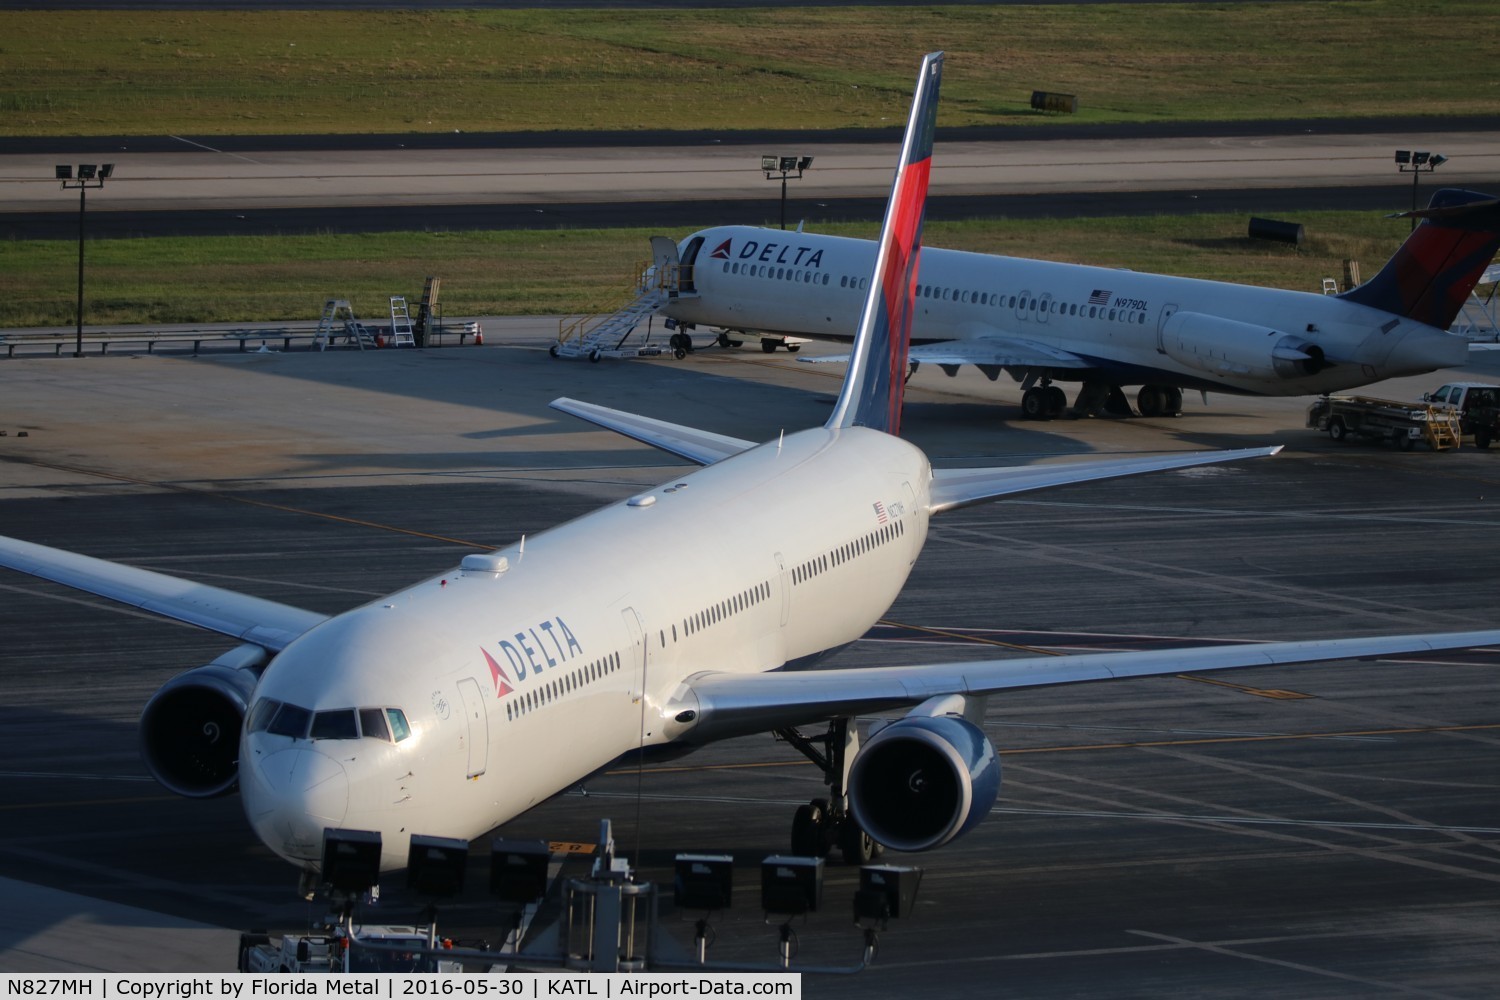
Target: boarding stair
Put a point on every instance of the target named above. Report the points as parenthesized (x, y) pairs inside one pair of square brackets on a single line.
[(401, 323), (338, 320), (612, 336)]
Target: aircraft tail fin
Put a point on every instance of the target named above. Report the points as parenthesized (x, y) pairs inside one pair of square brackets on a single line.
[(1431, 275), (872, 392)]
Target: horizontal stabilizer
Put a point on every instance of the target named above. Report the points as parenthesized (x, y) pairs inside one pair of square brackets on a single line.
[(703, 447), (727, 705), (960, 487), (250, 619)]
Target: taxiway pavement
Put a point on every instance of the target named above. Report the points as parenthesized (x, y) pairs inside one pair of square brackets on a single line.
[(1330, 831)]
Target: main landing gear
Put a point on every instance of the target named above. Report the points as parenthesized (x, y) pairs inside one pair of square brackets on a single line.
[(1043, 402), (1159, 401), (823, 823)]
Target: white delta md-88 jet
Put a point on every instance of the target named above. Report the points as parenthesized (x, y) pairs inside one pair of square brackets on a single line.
[(1045, 322), (644, 625)]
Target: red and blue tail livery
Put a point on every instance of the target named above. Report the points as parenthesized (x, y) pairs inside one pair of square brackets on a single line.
[(1433, 272), (872, 392)]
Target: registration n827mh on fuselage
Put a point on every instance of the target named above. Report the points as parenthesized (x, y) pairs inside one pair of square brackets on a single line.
[(454, 705)]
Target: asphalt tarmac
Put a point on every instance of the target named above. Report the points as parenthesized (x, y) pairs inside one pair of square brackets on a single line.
[(1327, 831)]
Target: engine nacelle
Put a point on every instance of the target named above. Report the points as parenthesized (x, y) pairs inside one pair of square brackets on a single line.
[(190, 729), (924, 780), (1227, 347)]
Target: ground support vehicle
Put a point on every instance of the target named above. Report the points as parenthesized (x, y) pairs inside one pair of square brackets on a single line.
[(390, 949), (1403, 424), (1478, 406)]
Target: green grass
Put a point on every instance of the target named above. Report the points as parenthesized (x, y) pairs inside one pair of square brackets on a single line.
[(238, 72), (287, 278)]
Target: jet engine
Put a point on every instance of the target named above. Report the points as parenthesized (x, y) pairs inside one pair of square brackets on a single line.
[(1227, 347), (924, 780), (190, 729)]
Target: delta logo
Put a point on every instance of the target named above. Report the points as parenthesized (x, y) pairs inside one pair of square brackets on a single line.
[(721, 252), (545, 645)]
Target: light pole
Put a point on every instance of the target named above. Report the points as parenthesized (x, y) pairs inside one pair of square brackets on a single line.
[(785, 165), (89, 175), (1414, 162)]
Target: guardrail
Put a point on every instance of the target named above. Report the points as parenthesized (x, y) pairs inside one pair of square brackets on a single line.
[(104, 339)]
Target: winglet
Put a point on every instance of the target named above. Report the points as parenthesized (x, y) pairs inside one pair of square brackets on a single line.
[(871, 396)]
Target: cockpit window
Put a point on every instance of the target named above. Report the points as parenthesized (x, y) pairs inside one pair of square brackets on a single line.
[(372, 724), (291, 721), (399, 729), (335, 725), (262, 713)]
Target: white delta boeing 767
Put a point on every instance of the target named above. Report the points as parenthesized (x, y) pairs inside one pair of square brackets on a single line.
[(644, 625), (1046, 323)]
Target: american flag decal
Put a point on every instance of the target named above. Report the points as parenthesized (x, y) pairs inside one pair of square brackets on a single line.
[(880, 515), (1099, 298)]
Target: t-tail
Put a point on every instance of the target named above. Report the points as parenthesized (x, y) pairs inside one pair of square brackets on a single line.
[(1433, 272), (871, 396)]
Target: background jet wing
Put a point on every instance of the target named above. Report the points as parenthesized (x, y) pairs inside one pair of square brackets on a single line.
[(960, 487), (992, 350), (728, 705), (703, 447), (250, 619)]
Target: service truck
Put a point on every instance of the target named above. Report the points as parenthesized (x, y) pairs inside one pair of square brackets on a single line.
[(1403, 424), (1478, 406)]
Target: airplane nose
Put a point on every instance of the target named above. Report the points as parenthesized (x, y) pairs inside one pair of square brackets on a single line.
[(291, 796), (1426, 350)]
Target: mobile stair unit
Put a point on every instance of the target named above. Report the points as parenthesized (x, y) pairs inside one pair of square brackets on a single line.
[(1403, 424), (611, 337)]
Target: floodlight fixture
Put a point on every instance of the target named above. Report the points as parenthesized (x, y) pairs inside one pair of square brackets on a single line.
[(351, 859), (435, 865), (703, 881), (886, 892), (89, 175), (518, 870), (782, 168), (791, 885), (1416, 162)]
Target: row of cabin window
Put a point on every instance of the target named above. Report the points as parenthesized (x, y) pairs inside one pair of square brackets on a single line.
[(842, 554), (285, 719), (793, 274), (571, 681), (715, 613)]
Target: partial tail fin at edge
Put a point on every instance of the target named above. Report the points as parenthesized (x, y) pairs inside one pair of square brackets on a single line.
[(872, 392), (1432, 273)]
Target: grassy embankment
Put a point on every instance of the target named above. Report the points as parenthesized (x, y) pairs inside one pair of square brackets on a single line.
[(93, 73), (211, 279)]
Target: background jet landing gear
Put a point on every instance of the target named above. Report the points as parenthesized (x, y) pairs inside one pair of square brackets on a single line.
[(1159, 401), (823, 824), (1043, 402), (724, 340)]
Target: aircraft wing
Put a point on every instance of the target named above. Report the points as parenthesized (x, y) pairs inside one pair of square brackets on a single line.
[(727, 705), (249, 619), (703, 447), (953, 488), (994, 350)]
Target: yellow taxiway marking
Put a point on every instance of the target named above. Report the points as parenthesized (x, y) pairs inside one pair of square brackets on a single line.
[(1276, 693)]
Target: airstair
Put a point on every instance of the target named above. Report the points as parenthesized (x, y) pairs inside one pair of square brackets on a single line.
[(338, 320), (401, 323), (429, 313), (612, 336)]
